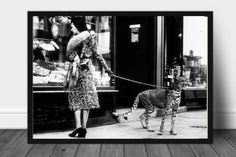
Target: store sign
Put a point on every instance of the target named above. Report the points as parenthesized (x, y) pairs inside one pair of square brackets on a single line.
[(135, 33)]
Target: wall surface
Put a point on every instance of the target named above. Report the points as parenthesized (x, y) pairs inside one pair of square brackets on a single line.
[(13, 39)]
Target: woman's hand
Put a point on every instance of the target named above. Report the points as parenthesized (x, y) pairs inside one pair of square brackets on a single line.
[(110, 73)]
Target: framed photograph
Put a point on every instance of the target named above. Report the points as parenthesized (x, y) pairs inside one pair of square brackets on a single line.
[(120, 77)]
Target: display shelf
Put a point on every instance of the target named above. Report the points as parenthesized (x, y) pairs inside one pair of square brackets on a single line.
[(193, 97), (59, 89), (194, 88), (43, 39)]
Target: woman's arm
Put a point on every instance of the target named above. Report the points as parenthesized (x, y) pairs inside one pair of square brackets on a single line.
[(74, 43), (103, 62)]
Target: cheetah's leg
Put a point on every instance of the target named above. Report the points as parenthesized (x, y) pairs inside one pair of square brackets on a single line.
[(173, 117), (164, 114), (142, 119), (147, 116)]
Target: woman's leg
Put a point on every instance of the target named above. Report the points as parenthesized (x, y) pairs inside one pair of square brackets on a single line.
[(77, 123), (78, 118), (85, 118)]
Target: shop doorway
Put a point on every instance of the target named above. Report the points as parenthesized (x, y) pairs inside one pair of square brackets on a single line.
[(174, 41), (135, 56)]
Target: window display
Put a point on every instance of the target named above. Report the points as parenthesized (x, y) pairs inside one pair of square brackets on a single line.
[(194, 71), (187, 49), (195, 51), (50, 39)]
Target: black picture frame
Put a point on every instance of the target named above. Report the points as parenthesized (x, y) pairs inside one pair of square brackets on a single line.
[(208, 14)]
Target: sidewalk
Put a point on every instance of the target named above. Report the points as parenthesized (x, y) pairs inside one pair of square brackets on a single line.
[(190, 124)]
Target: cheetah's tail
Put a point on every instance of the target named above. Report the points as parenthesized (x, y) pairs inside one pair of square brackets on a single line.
[(126, 114)]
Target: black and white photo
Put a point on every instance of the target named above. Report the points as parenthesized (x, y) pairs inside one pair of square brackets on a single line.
[(120, 77)]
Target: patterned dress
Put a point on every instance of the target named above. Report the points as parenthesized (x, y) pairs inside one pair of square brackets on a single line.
[(83, 94)]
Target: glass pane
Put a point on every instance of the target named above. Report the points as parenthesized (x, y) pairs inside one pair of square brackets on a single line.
[(195, 50), (50, 39), (103, 30)]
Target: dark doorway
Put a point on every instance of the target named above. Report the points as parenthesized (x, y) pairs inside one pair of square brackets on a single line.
[(174, 39), (136, 56)]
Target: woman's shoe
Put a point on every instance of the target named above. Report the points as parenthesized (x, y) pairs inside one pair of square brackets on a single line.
[(75, 132), (82, 133)]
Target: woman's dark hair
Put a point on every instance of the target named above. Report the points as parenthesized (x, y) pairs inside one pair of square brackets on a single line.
[(79, 22)]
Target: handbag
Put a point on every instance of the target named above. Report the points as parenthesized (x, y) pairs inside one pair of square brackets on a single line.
[(71, 77)]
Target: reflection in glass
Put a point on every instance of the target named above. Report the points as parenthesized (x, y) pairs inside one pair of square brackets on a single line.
[(195, 50)]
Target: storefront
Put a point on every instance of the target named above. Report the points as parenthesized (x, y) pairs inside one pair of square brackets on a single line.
[(149, 47), (139, 48), (50, 38)]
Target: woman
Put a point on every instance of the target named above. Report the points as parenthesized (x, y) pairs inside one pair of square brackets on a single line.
[(81, 50)]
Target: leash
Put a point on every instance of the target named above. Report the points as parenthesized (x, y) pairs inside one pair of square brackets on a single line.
[(138, 82)]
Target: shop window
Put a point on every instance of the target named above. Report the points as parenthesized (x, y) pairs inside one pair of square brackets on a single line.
[(186, 48), (50, 38), (195, 51)]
